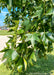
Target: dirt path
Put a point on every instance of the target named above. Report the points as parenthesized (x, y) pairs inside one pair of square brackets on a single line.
[(3, 40)]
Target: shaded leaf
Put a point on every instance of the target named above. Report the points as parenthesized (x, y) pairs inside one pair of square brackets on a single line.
[(49, 12), (50, 36)]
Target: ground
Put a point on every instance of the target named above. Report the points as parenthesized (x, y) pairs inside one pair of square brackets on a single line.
[(40, 66), (3, 40)]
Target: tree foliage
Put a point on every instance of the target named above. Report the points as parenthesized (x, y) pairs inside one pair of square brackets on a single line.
[(36, 31)]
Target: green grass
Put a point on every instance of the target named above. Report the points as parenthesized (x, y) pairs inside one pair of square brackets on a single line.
[(4, 70), (41, 66), (5, 32)]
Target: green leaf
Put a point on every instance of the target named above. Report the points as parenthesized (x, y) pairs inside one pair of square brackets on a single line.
[(38, 12), (50, 36), (14, 55), (44, 38), (19, 68), (21, 31), (30, 61), (33, 37), (12, 29), (49, 12), (33, 57), (4, 50), (26, 24), (8, 54)]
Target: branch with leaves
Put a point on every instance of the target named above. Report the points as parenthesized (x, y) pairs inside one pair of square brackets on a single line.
[(36, 32)]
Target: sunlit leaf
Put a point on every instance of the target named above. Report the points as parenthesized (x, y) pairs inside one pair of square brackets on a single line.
[(33, 37), (19, 68), (14, 55), (25, 64)]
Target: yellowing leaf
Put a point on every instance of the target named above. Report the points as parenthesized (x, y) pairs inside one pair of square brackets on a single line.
[(25, 64)]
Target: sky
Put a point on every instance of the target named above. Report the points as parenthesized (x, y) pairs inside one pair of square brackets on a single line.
[(2, 16)]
